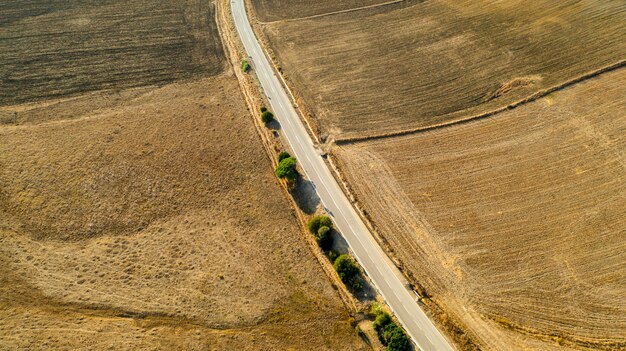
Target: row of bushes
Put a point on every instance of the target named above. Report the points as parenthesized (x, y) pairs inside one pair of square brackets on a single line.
[(390, 334), (321, 227), (345, 266)]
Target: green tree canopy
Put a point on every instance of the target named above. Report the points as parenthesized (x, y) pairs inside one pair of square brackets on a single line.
[(287, 169), (317, 222), (348, 271), (267, 116), (399, 342), (382, 320), (283, 155)]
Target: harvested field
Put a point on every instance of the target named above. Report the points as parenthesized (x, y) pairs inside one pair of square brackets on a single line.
[(52, 49), (149, 218), (516, 224), (276, 10), (158, 221), (409, 65)]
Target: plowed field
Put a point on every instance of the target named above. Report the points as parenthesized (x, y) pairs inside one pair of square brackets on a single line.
[(515, 224), (408, 65), (52, 49)]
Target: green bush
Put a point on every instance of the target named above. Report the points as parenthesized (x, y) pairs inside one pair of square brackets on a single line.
[(324, 238), (398, 341), (391, 334), (382, 320), (263, 109), (287, 169), (267, 116), (391, 330), (283, 155), (348, 272), (317, 222), (245, 66), (356, 283), (374, 310)]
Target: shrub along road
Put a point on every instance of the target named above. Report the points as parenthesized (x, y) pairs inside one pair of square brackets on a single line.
[(378, 267)]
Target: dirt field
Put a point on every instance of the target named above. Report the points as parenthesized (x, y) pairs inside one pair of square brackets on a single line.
[(158, 221), (150, 219), (411, 65), (515, 224), (51, 49), (276, 10)]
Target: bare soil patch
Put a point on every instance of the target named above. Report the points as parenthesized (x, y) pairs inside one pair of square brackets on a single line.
[(410, 65), (276, 10), (513, 224), (162, 210), (52, 49)]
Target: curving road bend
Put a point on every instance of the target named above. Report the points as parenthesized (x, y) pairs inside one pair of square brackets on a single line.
[(385, 276)]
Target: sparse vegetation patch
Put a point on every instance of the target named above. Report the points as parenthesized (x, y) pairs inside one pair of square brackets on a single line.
[(245, 66)]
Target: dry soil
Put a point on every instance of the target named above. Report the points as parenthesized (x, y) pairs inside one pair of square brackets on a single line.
[(414, 64), (515, 224)]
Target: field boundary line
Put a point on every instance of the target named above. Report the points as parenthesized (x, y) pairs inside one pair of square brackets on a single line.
[(334, 12), (463, 120)]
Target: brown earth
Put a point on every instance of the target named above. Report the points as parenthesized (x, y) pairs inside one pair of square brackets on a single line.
[(276, 10), (149, 218), (52, 49), (408, 65), (158, 221), (515, 224)]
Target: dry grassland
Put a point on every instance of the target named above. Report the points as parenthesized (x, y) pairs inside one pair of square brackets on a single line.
[(514, 224), (409, 65), (51, 49), (276, 10), (157, 221), (149, 218)]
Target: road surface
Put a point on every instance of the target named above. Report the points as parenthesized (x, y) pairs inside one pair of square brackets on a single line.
[(382, 272)]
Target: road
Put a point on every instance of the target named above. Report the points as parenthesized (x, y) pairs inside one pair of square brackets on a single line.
[(383, 273)]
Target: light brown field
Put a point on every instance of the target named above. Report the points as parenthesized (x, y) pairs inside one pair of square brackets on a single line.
[(149, 219), (276, 10), (415, 64), (156, 223), (516, 224)]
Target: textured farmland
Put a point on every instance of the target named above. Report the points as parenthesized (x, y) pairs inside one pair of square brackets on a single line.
[(276, 10), (155, 224), (515, 224), (398, 67), (144, 218), (52, 49)]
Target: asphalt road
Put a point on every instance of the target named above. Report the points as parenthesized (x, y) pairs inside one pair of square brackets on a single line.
[(386, 277)]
